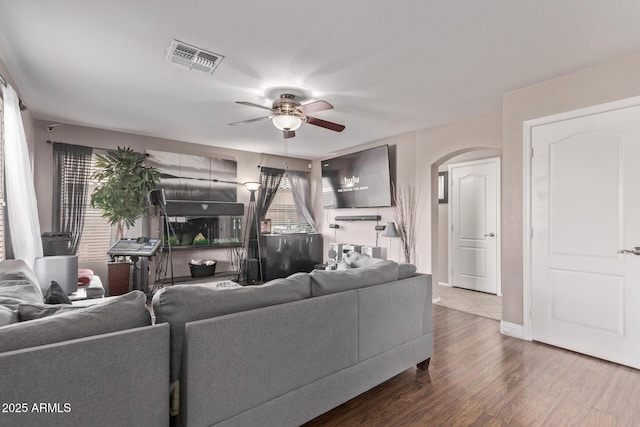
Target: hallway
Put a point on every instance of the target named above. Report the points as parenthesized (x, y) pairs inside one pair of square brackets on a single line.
[(478, 303)]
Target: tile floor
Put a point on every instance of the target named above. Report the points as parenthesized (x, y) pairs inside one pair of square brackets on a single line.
[(478, 303)]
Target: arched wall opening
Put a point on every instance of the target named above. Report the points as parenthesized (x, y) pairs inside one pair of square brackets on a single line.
[(439, 212)]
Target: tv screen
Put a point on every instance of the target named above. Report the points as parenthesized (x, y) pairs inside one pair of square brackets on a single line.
[(357, 180)]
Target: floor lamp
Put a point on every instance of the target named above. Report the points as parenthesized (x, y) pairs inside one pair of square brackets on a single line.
[(252, 210), (390, 231)]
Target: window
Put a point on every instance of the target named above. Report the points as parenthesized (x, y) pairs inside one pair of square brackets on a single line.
[(283, 213), (72, 212), (96, 235)]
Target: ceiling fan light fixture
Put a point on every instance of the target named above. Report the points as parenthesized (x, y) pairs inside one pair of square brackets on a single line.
[(287, 122)]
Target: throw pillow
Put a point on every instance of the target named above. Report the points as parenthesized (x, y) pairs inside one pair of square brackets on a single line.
[(343, 265), (16, 291), (357, 260), (18, 283), (56, 295)]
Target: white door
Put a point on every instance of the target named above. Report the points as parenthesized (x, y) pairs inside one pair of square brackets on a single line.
[(474, 220), (585, 208)]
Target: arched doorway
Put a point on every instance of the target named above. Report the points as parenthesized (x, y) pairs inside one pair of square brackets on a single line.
[(445, 293)]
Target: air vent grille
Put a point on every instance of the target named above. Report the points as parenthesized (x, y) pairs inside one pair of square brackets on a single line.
[(193, 57)]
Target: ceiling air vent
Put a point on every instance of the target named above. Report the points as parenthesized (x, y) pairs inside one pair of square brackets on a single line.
[(193, 57)]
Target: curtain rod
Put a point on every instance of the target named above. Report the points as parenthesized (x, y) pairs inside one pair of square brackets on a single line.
[(4, 83)]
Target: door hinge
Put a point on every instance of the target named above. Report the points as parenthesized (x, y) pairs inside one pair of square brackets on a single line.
[(451, 227), (531, 233), (531, 152)]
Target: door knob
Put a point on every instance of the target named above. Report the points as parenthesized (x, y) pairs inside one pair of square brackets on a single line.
[(635, 251), (493, 235)]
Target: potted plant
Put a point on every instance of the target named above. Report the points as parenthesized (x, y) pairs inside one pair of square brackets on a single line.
[(123, 185)]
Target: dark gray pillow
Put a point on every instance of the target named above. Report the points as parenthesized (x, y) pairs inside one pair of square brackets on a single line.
[(324, 282), (180, 304), (56, 295), (127, 311)]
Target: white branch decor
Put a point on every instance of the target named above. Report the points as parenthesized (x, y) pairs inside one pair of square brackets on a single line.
[(405, 214)]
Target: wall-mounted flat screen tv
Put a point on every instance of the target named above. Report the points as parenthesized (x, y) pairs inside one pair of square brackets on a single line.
[(357, 180)]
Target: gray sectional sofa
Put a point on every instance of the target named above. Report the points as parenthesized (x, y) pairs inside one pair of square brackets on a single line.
[(285, 352), (278, 354), (101, 365)]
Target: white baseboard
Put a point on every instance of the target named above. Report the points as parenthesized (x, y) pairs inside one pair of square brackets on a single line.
[(512, 329), (435, 300), (445, 284)]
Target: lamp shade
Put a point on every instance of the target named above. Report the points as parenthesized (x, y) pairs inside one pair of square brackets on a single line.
[(287, 122), (252, 186), (390, 230)]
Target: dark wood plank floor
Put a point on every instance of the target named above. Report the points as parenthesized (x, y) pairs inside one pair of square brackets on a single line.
[(479, 377)]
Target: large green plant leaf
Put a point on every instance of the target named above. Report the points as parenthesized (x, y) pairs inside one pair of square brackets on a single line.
[(124, 182)]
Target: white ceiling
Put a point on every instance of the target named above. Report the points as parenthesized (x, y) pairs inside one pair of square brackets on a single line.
[(388, 67)]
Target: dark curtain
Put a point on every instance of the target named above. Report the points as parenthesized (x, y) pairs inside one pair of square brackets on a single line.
[(269, 182), (71, 173)]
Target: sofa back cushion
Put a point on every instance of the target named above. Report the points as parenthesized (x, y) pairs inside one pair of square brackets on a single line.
[(18, 283), (8, 314), (235, 363), (324, 282), (180, 304), (392, 314), (406, 270), (124, 312)]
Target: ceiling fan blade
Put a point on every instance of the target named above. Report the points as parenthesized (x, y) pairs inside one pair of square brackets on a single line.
[(325, 124), (288, 133), (248, 121), (312, 107), (251, 104)]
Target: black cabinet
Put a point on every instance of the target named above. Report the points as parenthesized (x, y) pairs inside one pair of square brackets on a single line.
[(285, 254)]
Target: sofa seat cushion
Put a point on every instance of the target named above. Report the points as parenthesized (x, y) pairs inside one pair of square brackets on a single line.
[(324, 282), (124, 312), (18, 283), (180, 304)]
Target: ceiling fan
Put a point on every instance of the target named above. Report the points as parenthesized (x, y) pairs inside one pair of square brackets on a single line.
[(288, 114)]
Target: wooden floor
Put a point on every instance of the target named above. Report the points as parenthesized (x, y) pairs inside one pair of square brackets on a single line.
[(479, 377)]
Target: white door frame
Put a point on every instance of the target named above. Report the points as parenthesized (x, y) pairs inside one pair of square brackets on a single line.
[(527, 203), (495, 160)]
